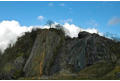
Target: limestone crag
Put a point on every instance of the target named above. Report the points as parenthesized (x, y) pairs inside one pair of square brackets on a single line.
[(49, 54)]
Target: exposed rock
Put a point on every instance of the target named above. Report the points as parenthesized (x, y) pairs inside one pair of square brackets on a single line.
[(18, 63), (44, 52), (83, 34), (54, 54), (118, 75), (13, 70)]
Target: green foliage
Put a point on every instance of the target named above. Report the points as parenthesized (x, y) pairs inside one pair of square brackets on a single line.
[(96, 71), (112, 74), (22, 48), (0, 52), (8, 67), (115, 48)]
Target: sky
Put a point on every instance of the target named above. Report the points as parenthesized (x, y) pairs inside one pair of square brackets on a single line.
[(16, 16), (104, 15)]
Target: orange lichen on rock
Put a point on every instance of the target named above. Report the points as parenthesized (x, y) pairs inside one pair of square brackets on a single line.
[(41, 62)]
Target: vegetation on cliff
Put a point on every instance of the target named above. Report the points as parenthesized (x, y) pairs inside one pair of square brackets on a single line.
[(49, 54)]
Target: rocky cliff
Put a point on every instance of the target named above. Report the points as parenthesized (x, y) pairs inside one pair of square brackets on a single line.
[(49, 54)]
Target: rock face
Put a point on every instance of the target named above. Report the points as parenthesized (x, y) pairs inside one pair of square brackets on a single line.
[(43, 53), (53, 55), (12, 70)]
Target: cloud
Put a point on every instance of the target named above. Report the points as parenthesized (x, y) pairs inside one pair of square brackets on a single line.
[(114, 21), (91, 30), (50, 4), (40, 18), (73, 30), (11, 30), (67, 21), (62, 4)]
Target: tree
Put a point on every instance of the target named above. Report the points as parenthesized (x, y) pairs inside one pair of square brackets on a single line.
[(49, 22), (58, 26)]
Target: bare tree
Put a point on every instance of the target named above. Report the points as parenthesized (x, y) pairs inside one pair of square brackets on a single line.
[(49, 22)]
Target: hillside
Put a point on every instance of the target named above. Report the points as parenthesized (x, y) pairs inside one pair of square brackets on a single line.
[(49, 54)]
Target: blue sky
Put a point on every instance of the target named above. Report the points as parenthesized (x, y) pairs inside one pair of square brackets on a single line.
[(104, 16)]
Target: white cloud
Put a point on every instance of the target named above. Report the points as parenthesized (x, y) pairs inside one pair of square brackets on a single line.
[(73, 30), (50, 4), (10, 30), (91, 30), (62, 4), (114, 21), (40, 18)]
